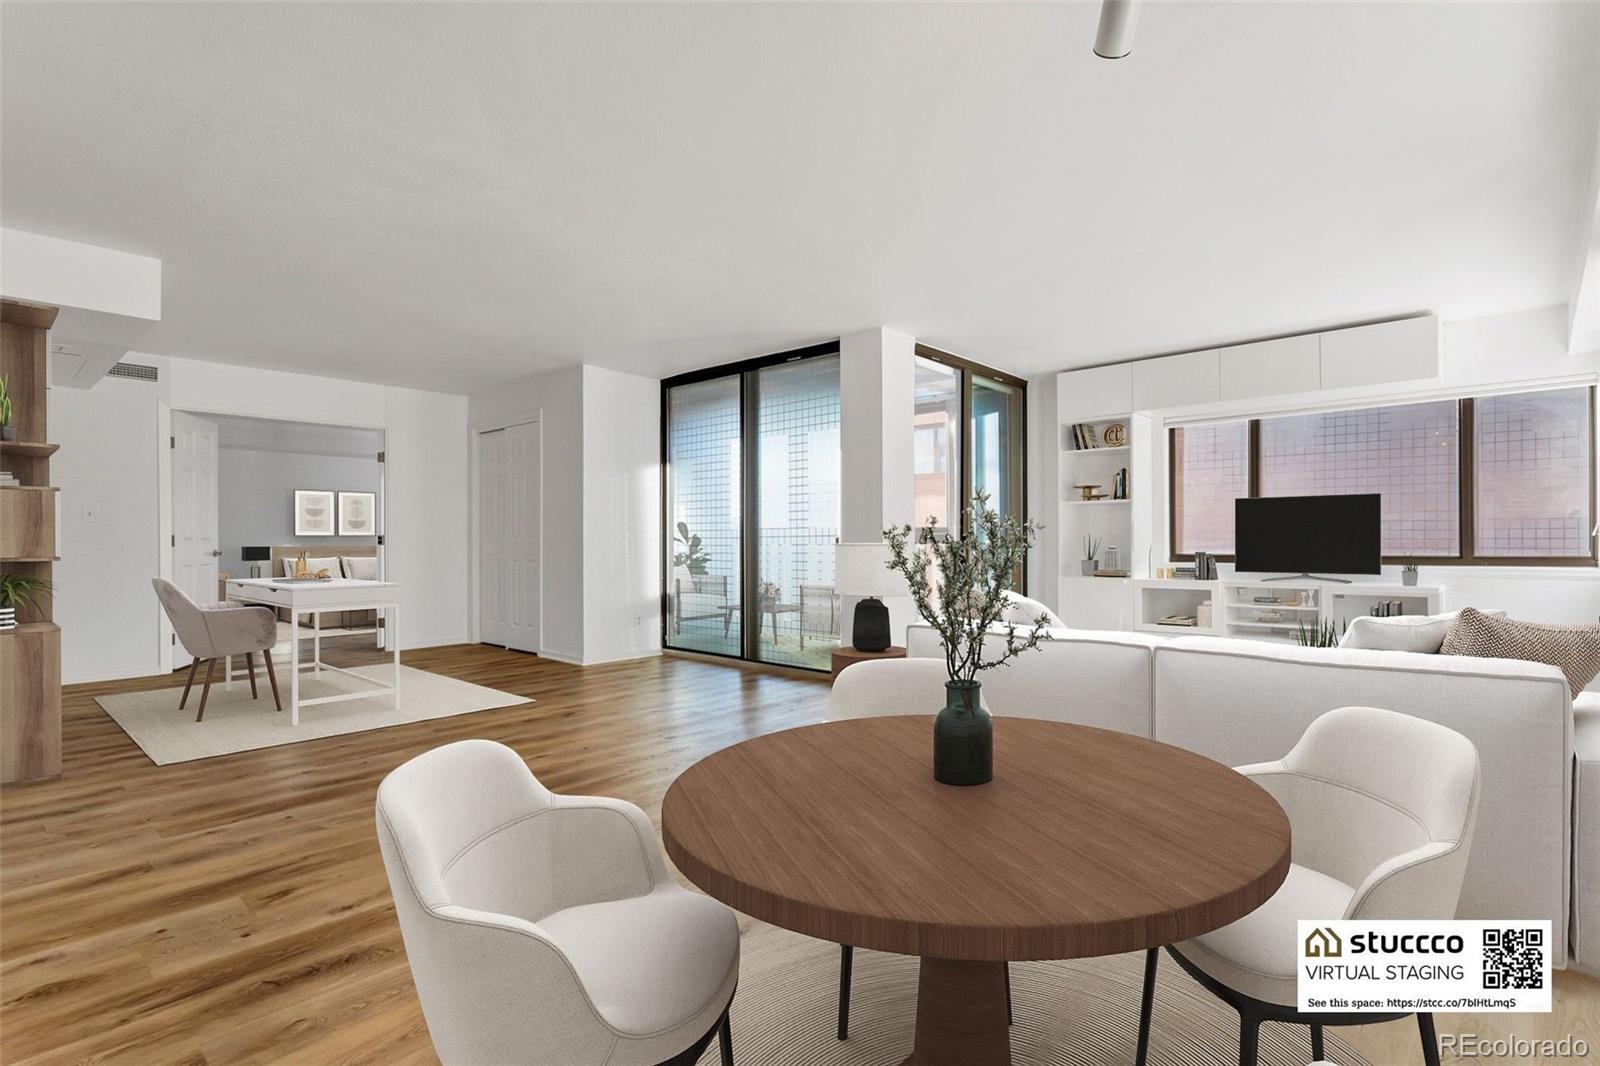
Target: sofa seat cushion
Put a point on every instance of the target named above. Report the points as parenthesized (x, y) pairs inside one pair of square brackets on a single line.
[(1256, 955), (649, 963)]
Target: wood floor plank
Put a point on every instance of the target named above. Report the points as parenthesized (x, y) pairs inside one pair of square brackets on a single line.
[(235, 910)]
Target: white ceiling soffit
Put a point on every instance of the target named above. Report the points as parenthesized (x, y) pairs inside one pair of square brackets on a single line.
[(448, 196)]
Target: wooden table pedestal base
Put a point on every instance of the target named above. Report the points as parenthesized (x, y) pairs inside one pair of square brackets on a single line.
[(961, 1014)]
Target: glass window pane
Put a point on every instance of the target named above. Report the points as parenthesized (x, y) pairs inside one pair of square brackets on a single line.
[(797, 438), (1210, 469), (937, 443), (703, 505), (1407, 453), (997, 444), (1533, 478)]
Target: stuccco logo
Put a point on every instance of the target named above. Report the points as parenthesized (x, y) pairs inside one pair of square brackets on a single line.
[(1323, 943)]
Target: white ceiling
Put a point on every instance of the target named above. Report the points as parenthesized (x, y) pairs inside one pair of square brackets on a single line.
[(449, 196)]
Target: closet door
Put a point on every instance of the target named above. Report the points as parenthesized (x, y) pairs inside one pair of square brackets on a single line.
[(509, 503)]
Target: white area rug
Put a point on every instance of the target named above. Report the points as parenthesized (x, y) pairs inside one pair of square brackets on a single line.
[(234, 722)]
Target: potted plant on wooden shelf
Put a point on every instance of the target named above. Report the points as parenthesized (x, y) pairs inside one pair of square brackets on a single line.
[(7, 432), (16, 591), (967, 599), (1408, 574)]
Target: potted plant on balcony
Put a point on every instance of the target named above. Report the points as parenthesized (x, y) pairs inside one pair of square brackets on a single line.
[(968, 597)]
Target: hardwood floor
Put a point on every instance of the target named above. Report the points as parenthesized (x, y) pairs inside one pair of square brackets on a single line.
[(235, 910)]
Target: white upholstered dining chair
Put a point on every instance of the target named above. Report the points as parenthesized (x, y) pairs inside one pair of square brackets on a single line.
[(544, 928), (215, 631), (884, 687), (1381, 807)]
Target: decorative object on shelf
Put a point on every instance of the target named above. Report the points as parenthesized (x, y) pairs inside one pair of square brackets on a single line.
[(1202, 615), (693, 557), (1408, 575), (1113, 558), (7, 431), (358, 514), (1269, 616), (974, 571), (16, 592), (255, 557), (1091, 552), (1115, 435), (1089, 492), (1319, 635), (1110, 573), (864, 570), (313, 513), (1176, 620)]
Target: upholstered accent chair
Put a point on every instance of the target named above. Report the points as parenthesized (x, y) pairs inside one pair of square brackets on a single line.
[(1382, 808), (214, 631), (545, 928), (883, 687)]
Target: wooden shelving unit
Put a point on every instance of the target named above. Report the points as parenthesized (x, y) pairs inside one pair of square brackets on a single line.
[(30, 653)]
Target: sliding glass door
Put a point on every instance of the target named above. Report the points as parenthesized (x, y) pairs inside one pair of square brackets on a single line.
[(705, 557), (797, 485), (754, 581)]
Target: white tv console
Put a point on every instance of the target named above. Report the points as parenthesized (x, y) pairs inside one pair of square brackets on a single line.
[(1238, 610)]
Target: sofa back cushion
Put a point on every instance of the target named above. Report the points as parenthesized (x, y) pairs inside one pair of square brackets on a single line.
[(1081, 676), (1241, 702), (1422, 633)]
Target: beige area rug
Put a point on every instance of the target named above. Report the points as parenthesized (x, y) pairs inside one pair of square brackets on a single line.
[(234, 722), (1082, 1012)]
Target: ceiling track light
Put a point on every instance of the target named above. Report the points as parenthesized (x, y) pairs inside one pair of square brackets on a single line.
[(1114, 40)]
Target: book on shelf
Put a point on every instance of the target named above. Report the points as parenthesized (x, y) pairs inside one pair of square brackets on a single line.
[(1176, 620), (1085, 436)]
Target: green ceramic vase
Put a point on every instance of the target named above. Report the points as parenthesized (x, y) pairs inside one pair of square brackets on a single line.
[(963, 737)]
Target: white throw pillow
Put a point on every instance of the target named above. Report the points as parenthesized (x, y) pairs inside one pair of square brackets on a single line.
[(360, 567), (329, 563), (1407, 632), (1022, 611)]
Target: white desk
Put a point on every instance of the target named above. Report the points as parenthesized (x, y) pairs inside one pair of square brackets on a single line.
[(314, 597)]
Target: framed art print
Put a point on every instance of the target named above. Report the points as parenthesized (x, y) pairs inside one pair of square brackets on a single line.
[(313, 513), (358, 514)]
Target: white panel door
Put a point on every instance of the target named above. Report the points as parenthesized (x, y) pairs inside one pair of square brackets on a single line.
[(194, 513), (509, 500)]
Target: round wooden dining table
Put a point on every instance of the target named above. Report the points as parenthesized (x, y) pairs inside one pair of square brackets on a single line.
[(1087, 842)]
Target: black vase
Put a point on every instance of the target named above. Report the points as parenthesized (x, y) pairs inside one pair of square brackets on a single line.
[(963, 737)]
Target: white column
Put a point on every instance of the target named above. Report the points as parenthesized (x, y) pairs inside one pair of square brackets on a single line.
[(876, 413)]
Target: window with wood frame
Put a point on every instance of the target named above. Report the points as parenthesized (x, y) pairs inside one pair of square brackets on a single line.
[(1487, 480)]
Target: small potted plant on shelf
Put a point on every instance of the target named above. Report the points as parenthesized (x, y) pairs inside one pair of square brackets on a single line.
[(974, 573), (16, 591), (1091, 552), (6, 430), (1408, 574), (1320, 635)]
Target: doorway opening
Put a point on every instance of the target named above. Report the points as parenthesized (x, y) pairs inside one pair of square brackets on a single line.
[(253, 497), (510, 528)]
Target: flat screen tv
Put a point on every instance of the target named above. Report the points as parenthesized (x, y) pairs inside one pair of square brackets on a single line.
[(1308, 535)]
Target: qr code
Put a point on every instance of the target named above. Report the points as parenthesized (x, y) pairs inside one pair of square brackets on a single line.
[(1513, 958)]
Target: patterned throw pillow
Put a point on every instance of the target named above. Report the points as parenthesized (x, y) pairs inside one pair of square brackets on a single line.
[(1574, 650)]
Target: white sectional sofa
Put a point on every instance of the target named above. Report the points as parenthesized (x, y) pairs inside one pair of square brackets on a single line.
[(1243, 701)]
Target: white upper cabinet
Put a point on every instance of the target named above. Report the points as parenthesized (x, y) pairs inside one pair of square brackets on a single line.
[(1407, 350), (1177, 380), (1098, 392), (1271, 368)]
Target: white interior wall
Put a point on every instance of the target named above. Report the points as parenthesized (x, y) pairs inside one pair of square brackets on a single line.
[(111, 461), (877, 413), (621, 516)]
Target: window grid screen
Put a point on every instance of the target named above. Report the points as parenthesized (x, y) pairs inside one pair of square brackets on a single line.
[(1408, 454), (1533, 453), (1210, 469), (703, 461)]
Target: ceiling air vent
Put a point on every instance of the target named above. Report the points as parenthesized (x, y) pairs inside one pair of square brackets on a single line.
[(136, 371)]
